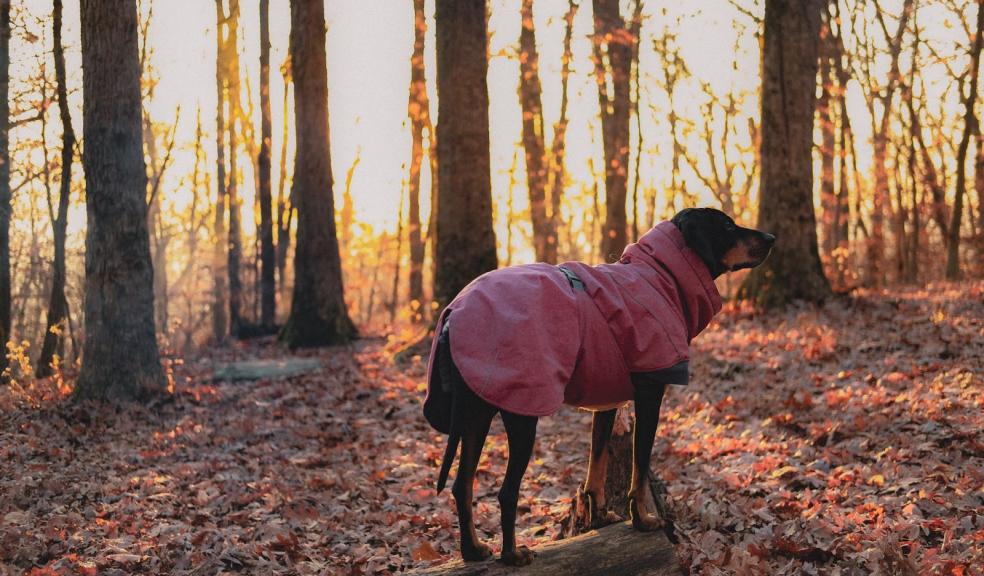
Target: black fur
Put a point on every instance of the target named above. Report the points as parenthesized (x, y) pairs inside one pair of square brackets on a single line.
[(712, 233)]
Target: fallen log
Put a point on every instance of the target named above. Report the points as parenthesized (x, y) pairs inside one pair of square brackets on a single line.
[(613, 550)]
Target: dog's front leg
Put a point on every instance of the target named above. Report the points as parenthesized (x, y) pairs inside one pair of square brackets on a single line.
[(642, 507), (594, 486)]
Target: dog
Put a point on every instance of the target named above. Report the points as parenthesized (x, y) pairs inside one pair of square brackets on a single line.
[(522, 340)]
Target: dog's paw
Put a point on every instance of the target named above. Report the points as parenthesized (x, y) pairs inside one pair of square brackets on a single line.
[(642, 520), (598, 516), (476, 552), (520, 556)]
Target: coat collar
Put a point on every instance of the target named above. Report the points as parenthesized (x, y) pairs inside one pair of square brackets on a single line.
[(663, 247)]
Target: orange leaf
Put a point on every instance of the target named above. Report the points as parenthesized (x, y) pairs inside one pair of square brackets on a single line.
[(425, 552)]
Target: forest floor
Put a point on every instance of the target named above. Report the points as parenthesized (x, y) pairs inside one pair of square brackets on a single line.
[(847, 439)]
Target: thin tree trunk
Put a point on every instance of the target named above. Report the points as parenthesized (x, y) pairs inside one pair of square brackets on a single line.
[(318, 314), (971, 126), (465, 235), (636, 28), (842, 209), (5, 205), (58, 304), (285, 206), (219, 319), (613, 43), (235, 221), (789, 74), (121, 359), (544, 239), (419, 112), (828, 207), (395, 292), (559, 145), (268, 286)]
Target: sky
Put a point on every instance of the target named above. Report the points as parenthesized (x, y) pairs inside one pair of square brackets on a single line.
[(369, 44)]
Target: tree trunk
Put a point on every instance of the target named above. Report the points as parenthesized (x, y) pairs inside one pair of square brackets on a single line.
[(616, 549), (979, 179), (285, 206), (559, 145), (544, 239), (318, 315), (58, 304), (219, 320), (235, 248), (842, 209), (613, 42), (827, 143), (121, 359), (5, 207), (971, 127), (465, 236), (268, 287), (419, 112), (789, 73)]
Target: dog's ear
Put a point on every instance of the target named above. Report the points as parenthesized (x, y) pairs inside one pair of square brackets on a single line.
[(697, 236)]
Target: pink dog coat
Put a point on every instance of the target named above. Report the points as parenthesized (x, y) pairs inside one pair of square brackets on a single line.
[(526, 340)]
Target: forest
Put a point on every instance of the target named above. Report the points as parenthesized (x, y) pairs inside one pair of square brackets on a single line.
[(228, 231)]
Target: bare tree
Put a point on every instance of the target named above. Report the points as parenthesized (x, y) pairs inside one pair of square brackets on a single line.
[(235, 244), (318, 315), (219, 234), (971, 127), (58, 304), (418, 109), (121, 359), (530, 100), (5, 192), (883, 94), (268, 287)]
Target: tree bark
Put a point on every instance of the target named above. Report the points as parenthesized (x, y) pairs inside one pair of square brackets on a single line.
[(828, 217), (235, 247), (5, 205), (559, 146), (268, 286), (544, 239), (465, 236), (58, 304), (971, 127), (613, 41), (285, 206), (219, 319), (418, 109), (789, 73), (616, 549), (318, 314), (121, 359)]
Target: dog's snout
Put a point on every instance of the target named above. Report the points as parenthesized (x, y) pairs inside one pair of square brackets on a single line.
[(769, 239)]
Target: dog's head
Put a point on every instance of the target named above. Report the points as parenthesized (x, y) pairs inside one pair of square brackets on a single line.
[(721, 244)]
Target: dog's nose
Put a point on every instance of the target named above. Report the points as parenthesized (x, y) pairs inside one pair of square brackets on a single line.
[(770, 239)]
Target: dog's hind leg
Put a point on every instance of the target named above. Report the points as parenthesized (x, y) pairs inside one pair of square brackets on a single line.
[(642, 507), (594, 486), (521, 432), (476, 419)]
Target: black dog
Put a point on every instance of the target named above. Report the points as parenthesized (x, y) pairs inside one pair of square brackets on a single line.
[(610, 334)]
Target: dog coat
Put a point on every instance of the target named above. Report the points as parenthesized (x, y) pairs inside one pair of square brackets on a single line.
[(528, 338)]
